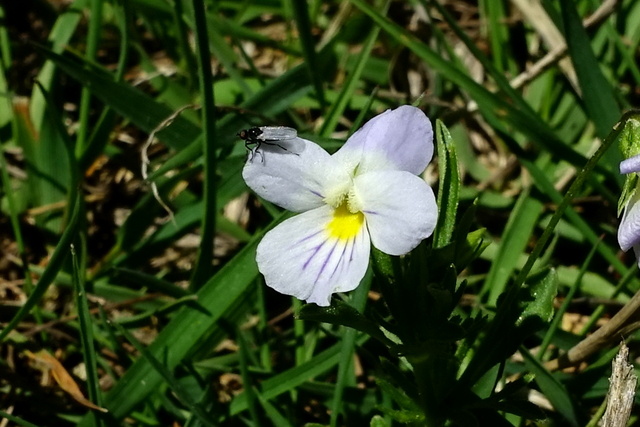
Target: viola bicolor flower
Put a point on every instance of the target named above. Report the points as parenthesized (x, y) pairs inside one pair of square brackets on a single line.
[(368, 192), (629, 230)]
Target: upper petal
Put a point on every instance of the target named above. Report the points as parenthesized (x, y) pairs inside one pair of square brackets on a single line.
[(632, 164), (629, 229), (299, 258), (291, 179), (396, 139), (399, 207)]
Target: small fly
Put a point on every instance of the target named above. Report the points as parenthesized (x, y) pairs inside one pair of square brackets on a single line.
[(269, 135)]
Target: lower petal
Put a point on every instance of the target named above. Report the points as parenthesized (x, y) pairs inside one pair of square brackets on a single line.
[(300, 257), (399, 207)]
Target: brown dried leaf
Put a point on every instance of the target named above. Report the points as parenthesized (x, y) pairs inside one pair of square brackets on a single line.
[(62, 377)]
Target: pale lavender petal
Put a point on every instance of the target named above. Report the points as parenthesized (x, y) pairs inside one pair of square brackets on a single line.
[(632, 164), (300, 258), (292, 180), (629, 230), (396, 139), (399, 207), (636, 251)]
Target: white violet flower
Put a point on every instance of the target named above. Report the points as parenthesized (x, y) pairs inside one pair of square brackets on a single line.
[(629, 230), (368, 192)]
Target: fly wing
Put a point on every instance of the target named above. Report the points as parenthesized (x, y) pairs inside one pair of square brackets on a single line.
[(277, 133)]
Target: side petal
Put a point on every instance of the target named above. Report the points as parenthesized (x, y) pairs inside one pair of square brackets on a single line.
[(629, 229), (292, 180), (299, 258), (632, 164), (402, 138), (399, 207)]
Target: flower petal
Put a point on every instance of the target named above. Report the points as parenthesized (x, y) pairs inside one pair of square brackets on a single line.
[(292, 180), (401, 138), (299, 258), (629, 230), (632, 164), (400, 209), (636, 251)]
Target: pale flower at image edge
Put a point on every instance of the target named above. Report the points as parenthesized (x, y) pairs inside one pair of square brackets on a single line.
[(629, 229), (367, 193)]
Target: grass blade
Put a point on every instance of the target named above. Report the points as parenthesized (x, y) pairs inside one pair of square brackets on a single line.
[(54, 266), (597, 93), (185, 331), (301, 13), (141, 109), (515, 238), (166, 374), (496, 110), (346, 375), (204, 266), (338, 107), (290, 379), (93, 39), (86, 328)]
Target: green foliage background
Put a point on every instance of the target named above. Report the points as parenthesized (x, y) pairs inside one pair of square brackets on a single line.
[(160, 330)]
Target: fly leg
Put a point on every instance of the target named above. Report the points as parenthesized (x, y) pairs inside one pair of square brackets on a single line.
[(278, 145)]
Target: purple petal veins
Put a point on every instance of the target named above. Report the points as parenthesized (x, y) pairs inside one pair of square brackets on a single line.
[(341, 258), (316, 250), (326, 261), (304, 239)]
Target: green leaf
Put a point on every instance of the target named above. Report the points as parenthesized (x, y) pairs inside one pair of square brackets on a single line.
[(162, 370), (46, 163), (543, 288), (55, 265), (138, 107), (629, 144), (86, 327), (336, 109), (449, 187), (346, 373), (597, 93), (19, 421), (186, 331), (629, 138), (563, 204), (61, 33), (378, 421), (203, 268), (301, 16), (390, 386), (340, 313), (512, 324), (293, 377), (515, 238), (552, 388), (75, 210), (497, 110)]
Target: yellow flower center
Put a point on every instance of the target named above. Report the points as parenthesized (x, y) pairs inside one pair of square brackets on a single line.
[(345, 224)]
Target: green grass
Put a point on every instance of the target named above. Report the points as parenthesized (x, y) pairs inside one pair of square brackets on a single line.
[(168, 321)]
